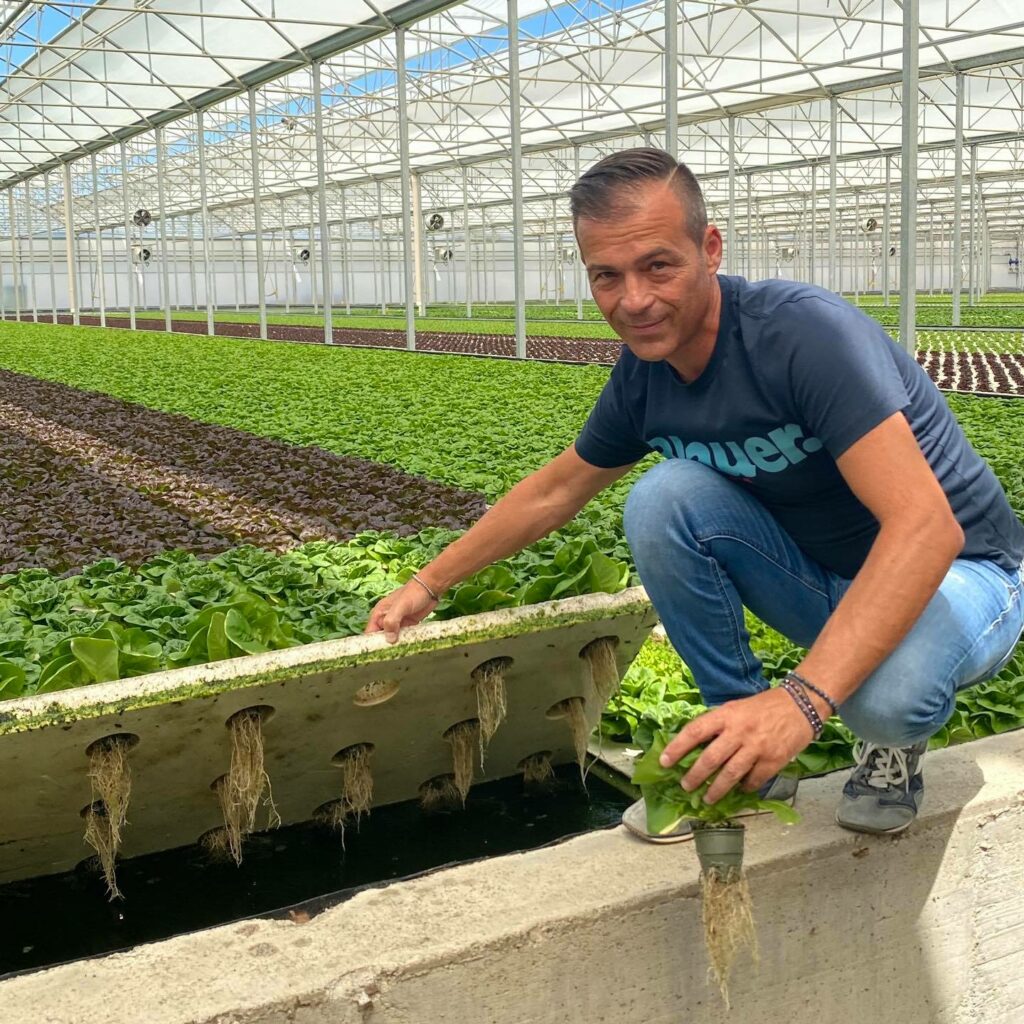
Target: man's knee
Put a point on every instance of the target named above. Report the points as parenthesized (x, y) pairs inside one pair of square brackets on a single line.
[(665, 498), (897, 706)]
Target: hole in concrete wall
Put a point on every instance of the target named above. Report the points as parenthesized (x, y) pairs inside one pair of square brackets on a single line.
[(463, 738), (599, 655), (572, 710), (129, 739), (440, 794), (537, 770), (491, 698), (356, 782), (261, 712), (377, 691)]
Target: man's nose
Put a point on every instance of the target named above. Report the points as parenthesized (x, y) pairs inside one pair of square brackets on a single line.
[(636, 296)]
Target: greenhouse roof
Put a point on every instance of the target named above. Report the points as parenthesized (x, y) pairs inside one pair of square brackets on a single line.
[(81, 77)]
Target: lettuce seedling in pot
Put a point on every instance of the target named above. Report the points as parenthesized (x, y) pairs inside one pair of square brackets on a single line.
[(726, 904)]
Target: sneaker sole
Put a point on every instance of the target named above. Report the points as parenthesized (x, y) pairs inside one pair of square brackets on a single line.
[(878, 831)]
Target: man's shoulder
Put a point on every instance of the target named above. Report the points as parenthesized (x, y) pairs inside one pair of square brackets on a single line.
[(778, 297)]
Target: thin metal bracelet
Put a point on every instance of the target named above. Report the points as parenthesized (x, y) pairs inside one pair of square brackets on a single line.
[(805, 706), (428, 589), (796, 677)]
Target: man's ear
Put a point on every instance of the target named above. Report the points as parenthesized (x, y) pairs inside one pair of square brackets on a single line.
[(712, 248)]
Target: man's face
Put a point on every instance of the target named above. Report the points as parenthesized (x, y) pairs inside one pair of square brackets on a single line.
[(650, 280)]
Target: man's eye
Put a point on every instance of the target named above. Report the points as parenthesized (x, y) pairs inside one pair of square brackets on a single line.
[(658, 266)]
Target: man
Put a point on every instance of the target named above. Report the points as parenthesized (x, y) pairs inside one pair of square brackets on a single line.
[(812, 473)]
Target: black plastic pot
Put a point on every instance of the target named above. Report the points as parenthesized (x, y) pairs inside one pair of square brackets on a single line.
[(719, 847)]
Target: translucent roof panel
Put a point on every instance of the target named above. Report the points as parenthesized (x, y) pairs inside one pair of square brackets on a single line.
[(75, 74)]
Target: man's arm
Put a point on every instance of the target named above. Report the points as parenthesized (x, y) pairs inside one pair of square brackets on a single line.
[(538, 504), (918, 539), (917, 542)]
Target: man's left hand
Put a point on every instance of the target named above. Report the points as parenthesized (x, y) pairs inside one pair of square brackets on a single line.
[(749, 739)]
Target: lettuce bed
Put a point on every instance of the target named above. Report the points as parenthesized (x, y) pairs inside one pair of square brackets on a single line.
[(472, 423)]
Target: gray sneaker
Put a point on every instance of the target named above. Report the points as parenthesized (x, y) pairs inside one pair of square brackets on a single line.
[(884, 792), (782, 787)]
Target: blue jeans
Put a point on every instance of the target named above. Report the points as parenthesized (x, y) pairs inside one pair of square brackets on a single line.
[(704, 548)]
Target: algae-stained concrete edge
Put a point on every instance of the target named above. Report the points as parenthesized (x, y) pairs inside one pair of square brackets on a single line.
[(137, 692)]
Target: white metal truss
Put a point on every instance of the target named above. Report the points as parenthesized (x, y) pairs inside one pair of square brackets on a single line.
[(79, 78)]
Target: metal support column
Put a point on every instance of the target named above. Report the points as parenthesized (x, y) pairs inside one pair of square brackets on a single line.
[(730, 238), (129, 264), (833, 147), (812, 263), (418, 244), (101, 290), (15, 254), (467, 245), (31, 254), (518, 253), (204, 223), (858, 234), (750, 228), (165, 253), (886, 232), (577, 263), (49, 248), (672, 78), (314, 255), (403, 153), (69, 242), (908, 177), (257, 215), (958, 187), (327, 280), (972, 244), (378, 246), (347, 274)]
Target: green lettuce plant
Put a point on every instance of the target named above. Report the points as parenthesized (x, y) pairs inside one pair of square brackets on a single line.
[(667, 801)]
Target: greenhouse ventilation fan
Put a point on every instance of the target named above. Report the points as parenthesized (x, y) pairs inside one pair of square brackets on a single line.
[(435, 222), (302, 255), (443, 255), (569, 254), (870, 224), (787, 253), (141, 255), (142, 218)]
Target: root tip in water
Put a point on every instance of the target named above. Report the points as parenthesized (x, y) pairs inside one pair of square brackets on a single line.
[(463, 738), (440, 794)]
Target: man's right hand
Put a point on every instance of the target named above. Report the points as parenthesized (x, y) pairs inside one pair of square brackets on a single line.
[(403, 607)]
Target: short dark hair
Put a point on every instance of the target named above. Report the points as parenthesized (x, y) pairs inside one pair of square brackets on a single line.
[(609, 187)]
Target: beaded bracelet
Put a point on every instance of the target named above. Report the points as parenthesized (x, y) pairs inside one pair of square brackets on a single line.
[(797, 678), (804, 704), (425, 587)]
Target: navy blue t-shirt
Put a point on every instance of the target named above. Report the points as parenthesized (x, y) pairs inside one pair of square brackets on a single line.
[(797, 376)]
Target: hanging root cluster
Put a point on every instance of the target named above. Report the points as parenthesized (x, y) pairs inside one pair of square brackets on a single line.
[(537, 770), (728, 917), (356, 782), (604, 669), (491, 698), (572, 710), (111, 782), (463, 738), (216, 845), (241, 790), (440, 794)]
